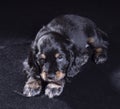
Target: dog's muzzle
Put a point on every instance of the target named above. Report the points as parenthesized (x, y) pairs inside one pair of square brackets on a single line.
[(53, 76)]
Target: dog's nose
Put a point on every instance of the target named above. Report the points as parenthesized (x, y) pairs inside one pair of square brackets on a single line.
[(50, 76)]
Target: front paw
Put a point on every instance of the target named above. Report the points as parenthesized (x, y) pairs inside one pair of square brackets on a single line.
[(32, 87), (101, 58), (53, 89)]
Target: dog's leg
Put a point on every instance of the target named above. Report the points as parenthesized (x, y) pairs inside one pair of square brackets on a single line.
[(99, 48), (32, 87), (100, 55), (54, 89)]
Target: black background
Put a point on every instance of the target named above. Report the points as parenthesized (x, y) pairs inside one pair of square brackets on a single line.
[(96, 87)]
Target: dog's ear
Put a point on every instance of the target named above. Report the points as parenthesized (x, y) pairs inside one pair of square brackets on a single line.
[(32, 60), (74, 62), (77, 58)]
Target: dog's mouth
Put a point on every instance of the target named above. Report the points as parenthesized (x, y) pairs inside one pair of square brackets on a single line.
[(52, 77)]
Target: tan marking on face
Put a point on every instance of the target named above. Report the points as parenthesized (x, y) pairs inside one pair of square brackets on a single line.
[(60, 75), (91, 40), (57, 55), (99, 50), (43, 75), (43, 56)]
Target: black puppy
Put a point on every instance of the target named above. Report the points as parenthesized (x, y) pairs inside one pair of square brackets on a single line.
[(59, 50)]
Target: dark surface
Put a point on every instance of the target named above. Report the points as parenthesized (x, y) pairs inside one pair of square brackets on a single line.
[(96, 87)]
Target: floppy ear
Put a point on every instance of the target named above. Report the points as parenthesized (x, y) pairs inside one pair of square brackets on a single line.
[(31, 62), (32, 59), (74, 62), (31, 55)]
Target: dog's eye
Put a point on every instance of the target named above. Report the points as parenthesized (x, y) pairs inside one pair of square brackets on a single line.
[(60, 58)]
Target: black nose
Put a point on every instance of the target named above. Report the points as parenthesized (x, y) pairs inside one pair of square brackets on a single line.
[(50, 76)]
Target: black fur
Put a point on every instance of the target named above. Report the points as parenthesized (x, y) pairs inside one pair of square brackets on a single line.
[(70, 36)]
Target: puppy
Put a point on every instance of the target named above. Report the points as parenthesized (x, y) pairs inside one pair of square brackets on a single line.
[(59, 51)]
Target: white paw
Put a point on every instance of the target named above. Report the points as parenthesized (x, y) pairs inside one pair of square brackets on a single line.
[(100, 59), (53, 89), (32, 88)]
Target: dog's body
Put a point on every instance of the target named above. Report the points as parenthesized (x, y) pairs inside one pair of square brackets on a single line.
[(59, 50)]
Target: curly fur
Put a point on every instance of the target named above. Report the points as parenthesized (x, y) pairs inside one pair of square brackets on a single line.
[(68, 36)]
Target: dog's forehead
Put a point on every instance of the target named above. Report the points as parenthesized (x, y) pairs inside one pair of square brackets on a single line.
[(48, 43), (50, 49), (42, 41)]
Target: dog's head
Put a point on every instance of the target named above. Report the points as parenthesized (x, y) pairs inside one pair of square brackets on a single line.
[(56, 57)]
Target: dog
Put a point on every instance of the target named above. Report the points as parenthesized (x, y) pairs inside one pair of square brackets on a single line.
[(59, 51)]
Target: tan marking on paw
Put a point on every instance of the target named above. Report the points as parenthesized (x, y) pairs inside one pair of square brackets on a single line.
[(32, 87), (32, 83), (54, 85)]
